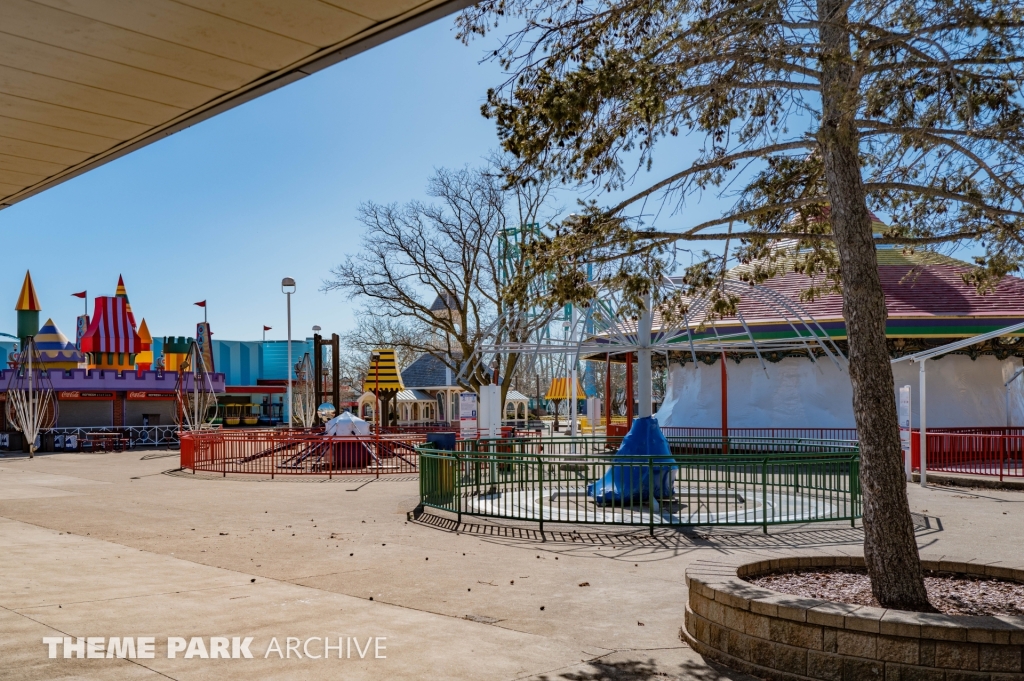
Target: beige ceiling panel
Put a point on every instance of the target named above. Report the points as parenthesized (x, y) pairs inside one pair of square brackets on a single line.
[(83, 82), (35, 57), (191, 27), (41, 152), (311, 21), (379, 11), (18, 177), (97, 39), (30, 131), (93, 100), (8, 189), (29, 165), (68, 118)]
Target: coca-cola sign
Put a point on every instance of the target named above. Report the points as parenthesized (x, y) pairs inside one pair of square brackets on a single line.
[(143, 395), (83, 395)]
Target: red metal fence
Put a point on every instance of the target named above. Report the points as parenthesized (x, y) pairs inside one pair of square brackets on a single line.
[(972, 453), (269, 452)]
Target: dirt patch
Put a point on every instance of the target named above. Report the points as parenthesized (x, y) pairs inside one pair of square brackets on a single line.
[(952, 594)]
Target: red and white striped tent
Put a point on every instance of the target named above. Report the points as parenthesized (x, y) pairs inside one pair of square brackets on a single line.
[(112, 328)]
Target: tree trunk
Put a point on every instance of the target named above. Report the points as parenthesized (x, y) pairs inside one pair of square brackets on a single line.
[(890, 547)]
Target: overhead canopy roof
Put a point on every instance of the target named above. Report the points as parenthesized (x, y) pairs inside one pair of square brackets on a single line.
[(83, 82)]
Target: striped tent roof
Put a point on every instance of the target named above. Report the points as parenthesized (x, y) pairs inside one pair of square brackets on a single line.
[(122, 292), (111, 328), (560, 389), (383, 373), (54, 346), (28, 301)]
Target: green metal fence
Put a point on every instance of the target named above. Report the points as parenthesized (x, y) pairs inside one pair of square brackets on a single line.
[(680, 446), (550, 481)]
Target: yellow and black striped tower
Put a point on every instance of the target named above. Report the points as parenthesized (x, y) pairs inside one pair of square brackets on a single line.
[(384, 379)]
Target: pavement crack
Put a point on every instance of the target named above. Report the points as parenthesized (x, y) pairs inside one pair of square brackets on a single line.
[(68, 634)]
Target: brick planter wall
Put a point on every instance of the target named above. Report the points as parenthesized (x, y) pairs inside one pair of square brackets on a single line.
[(778, 636)]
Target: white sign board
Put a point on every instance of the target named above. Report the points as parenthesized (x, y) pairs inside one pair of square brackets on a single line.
[(467, 414), (905, 431)]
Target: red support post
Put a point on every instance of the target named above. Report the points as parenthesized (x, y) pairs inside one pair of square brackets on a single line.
[(1002, 455), (607, 392)]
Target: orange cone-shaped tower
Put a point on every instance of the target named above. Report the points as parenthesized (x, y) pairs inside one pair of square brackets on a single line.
[(28, 308)]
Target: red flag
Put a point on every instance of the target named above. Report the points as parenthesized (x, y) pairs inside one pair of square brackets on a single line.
[(79, 295), (201, 303), (267, 328)]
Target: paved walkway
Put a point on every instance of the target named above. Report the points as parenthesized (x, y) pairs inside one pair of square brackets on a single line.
[(120, 545)]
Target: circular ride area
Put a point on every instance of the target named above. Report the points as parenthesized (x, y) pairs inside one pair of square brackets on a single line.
[(590, 480)]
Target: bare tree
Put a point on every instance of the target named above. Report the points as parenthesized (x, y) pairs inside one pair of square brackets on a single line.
[(812, 113), (304, 402), (454, 251)]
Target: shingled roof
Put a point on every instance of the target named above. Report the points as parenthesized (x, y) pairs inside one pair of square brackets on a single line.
[(444, 302), (427, 371)]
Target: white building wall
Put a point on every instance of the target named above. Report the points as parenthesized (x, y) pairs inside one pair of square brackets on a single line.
[(797, 393)]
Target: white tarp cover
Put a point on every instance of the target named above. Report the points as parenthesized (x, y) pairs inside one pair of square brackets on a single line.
[(797, 393), (347, 423)]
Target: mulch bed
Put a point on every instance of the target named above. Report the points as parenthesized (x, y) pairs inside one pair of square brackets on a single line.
[(951, 594)]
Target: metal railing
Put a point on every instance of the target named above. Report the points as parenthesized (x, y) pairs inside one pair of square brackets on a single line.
[(773, 433), (970, 453), (74, 438), (689, 490), (279, 452), (597, 445)]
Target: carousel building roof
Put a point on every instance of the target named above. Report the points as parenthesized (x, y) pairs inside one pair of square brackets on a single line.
[(925, 296)]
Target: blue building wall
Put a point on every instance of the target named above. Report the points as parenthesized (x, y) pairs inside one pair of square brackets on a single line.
[(6, 348), (273, 357)]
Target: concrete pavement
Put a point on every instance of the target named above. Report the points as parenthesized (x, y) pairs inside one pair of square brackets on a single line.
[(121, 545)]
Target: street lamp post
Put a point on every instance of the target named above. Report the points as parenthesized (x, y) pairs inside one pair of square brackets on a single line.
[(288, 288)]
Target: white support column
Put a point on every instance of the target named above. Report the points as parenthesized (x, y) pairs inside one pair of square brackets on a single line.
[(924, 427), (645, 383), (572, 375)]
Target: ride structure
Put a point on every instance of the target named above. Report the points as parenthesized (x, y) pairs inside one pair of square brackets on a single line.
[(195, 392), (29, 400)]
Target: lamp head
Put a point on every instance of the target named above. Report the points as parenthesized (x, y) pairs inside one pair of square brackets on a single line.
[(316, 328), (287, 285)]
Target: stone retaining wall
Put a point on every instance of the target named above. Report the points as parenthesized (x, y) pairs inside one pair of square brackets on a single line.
[(779, 636)]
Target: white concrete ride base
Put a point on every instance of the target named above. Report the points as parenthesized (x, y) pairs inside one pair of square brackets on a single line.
[(798, 393)]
